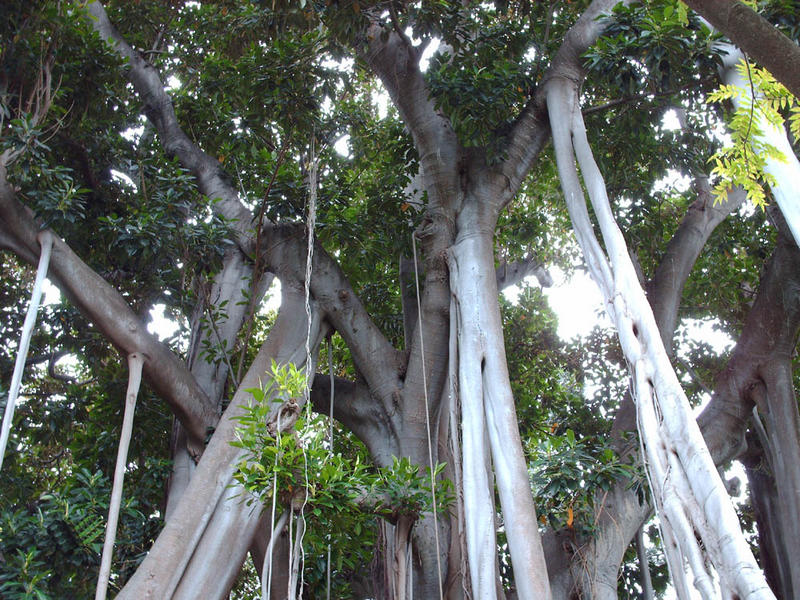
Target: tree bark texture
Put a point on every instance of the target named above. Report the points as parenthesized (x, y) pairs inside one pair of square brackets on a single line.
[(756, 36), (695, 478), (212, 518), (218, 317)]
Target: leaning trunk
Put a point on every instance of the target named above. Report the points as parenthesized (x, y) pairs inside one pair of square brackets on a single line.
[(217, 319), (687, 489), (213, 519)]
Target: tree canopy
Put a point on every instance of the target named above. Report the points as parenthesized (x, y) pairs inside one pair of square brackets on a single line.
[(306, 216)]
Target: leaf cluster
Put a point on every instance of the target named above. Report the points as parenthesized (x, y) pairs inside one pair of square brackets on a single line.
[(743, 162), (568, 476), (339, 497), (484, 79), (51, 545)]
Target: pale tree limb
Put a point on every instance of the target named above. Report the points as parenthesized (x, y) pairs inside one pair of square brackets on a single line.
[(489, 428), (513, 273), (266, 569), (400, 567), (767, 338), (785, 170), (644, 567), (199, 552), (135, 362), (295, 562), (46, 241), (670, 426)]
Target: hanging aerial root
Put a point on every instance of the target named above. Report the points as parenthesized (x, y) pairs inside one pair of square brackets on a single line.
[(312, 219), (330, 453), (296, 562), (686, 486), (46, 243), (431, 466), (135, 363), (266, 568)]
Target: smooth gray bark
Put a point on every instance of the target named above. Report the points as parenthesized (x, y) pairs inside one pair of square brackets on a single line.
[(134, 380), (212, 519), (218, 316), (109, 312)]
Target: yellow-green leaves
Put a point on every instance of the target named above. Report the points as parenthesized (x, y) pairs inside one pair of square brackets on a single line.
[(743, 162), (682, 13)]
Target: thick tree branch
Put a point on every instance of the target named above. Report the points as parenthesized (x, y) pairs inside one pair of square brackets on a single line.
[(532, 129), (686, 486), (513, 273), (355, 408), (397, 65), (109, 312), (666, 288), (373, 355), (287, 247), (756, 36), (769, 335), (211, 179)]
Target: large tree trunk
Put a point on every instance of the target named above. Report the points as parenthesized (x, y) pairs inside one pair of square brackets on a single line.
[(217, 319), (687, 489), (212, 519), (386, 411), (773, 545), (592, 565), (488, 416)]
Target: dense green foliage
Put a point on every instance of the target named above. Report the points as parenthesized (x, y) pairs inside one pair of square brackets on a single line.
[(253, 83)]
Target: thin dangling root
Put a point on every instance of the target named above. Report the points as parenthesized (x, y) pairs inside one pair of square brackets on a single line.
[(135, 363), (46, 243)]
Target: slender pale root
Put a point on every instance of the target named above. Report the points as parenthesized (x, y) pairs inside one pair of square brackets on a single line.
[(46, 243), (266, 568), (135, 363)]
